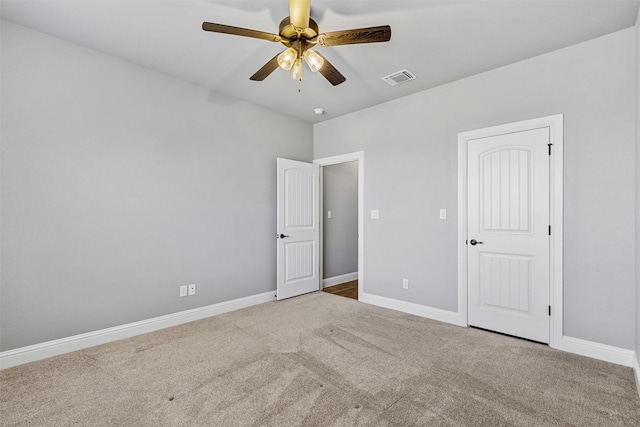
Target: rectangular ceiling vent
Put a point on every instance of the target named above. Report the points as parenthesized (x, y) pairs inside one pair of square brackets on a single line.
[(399, 77)]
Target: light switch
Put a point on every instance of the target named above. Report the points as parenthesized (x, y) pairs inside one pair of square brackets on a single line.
[(375, 214), (443, 214), (328, 214)]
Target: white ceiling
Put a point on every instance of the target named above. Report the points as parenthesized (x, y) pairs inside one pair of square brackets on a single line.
[(439, 41)]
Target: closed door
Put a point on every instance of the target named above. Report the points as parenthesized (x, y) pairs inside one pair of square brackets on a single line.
[(298, 228), (508, 233)]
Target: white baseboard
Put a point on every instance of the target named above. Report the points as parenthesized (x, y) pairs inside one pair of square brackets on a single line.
[(336, 280), (595, 350), (636, 369), (47, 349), (617, 355), (411, 308)]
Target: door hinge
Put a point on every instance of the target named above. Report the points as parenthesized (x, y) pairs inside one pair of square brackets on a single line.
[(549, 310), (549, 230), (549, 145)]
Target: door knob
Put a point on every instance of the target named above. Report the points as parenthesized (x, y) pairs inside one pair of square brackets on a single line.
[(282, 236), (475, 242)]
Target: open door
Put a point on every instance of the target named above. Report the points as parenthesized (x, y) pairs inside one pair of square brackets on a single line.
[(298, 228)]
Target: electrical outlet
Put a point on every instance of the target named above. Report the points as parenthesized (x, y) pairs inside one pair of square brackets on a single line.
[(405, 283), (192, 289), (183, 291)]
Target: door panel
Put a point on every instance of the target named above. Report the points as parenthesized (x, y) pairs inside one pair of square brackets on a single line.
[(299, 260), (505, 282), (299, 189), (298, 228), (505, 195), (508, 269)]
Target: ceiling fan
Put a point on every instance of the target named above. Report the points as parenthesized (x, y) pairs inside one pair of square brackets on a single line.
[(299, 33)]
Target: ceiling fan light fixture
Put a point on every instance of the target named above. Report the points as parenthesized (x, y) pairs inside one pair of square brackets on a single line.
[(297, 72), (298, 32), (287, 59), (313, 60)]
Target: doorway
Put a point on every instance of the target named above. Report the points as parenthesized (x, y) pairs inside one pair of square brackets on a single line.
[(510, 228), (341, 230)]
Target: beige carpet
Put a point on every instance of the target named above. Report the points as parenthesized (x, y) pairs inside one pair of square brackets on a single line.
[(319, 360)]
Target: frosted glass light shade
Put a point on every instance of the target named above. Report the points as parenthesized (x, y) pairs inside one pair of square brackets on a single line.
[(297, 71), (287, 58), (313, 60)]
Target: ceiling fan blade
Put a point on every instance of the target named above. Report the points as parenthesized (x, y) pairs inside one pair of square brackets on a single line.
[(299, 12), (330, 73), (355, 36), (237, 31), (266, 69)]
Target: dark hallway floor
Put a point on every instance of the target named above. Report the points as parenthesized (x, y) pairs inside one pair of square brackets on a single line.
[(348, 289)]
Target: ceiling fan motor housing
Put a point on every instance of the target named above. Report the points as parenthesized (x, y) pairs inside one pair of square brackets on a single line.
[(290, 34)]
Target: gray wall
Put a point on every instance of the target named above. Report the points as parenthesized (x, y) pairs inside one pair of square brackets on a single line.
[(637, 348), (340, 232), (119, 184), (410, 149)]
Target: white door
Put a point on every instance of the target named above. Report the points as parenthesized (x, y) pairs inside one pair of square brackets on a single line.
[(508, 233), (298, 231)]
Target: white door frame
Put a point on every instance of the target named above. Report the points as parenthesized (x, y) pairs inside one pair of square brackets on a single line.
[(555, 125), (334, 160)]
